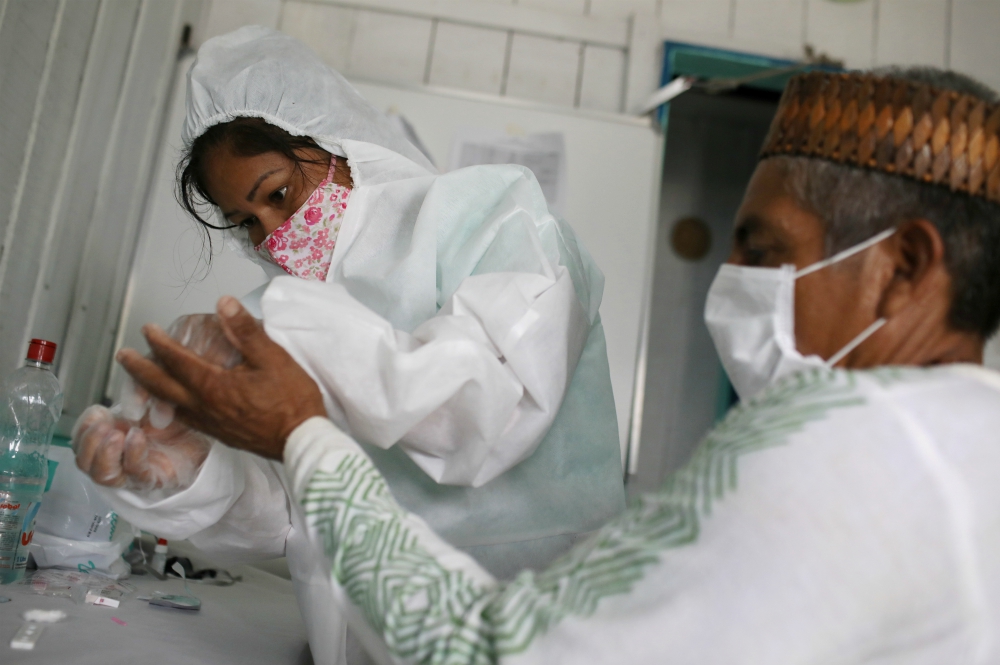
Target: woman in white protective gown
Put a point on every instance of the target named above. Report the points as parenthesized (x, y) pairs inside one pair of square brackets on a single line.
[(450, 320)]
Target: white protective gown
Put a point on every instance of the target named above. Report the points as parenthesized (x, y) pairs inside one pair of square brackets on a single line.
[(457, 337), (839, 517)]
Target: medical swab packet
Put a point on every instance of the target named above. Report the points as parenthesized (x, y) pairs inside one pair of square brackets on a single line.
[(78, 586)]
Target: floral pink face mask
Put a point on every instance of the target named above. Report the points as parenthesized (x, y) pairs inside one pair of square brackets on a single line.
[(303, 245)]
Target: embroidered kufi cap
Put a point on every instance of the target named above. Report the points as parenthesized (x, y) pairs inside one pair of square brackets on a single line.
[(892, 125)]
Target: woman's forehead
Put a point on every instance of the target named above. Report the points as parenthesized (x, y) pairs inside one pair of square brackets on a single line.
[(230, 173)]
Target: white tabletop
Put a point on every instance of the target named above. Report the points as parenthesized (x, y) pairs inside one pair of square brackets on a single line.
[(254, 621)]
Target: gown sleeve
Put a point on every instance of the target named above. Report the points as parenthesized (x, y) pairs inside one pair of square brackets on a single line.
[(236, 509), (452, 323), (468, 394)]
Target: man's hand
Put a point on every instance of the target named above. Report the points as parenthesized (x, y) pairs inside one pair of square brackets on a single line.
[(201, 333), (254, 406)]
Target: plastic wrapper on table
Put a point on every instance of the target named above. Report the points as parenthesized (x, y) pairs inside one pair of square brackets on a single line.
[(75, 585)]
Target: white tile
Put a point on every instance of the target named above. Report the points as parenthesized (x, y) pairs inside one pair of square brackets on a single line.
[(467, 57), (710, 17), (645, 61), (776, 23), (975, 49), (564, 6), (325, 29), (911, 32), (387, 47), (603, 70), (622, 8), (843, 31), (227, 15), (544, 70)]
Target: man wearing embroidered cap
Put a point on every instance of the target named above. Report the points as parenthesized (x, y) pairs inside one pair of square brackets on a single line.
[(846, 512), (851, 161)]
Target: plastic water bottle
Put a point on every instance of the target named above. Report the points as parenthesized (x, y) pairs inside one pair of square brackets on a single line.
[(30, 406)]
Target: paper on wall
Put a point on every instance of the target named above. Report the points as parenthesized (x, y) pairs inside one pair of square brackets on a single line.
[(544, 154), (991, 354)]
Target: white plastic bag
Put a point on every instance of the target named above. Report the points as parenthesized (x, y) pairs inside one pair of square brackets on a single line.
[(72, 507), (105, 558), (75, 528)]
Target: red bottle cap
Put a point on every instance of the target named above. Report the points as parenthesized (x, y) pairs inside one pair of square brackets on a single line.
[(41, 350), (161, 541)]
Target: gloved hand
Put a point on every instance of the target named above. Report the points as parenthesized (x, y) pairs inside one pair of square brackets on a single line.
[(200, 333), (116, 453), (137, 444)]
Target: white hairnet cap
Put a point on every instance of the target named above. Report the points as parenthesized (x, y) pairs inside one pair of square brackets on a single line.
[(262, 73)]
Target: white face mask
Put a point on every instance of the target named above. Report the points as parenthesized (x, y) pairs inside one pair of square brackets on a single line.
[(750, 314)]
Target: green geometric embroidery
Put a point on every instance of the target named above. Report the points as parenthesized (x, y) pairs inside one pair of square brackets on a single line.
[(890, 375), (403, 591), (427, 613), (764, 422)]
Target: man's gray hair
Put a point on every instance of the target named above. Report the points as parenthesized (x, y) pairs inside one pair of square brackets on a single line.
[(855, 204)]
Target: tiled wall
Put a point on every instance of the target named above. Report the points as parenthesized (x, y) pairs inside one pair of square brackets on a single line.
[(960, 34), (460, 50), (956, 34), (84, 85), (604, 54)]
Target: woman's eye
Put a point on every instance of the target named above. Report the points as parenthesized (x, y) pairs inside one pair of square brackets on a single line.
[(248, 223), (278, 195)]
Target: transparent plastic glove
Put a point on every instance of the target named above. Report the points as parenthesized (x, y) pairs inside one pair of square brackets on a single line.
[(200, 333), (135, 403), (118, 453)]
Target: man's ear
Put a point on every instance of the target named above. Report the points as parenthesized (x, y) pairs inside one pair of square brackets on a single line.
[(916, 252)]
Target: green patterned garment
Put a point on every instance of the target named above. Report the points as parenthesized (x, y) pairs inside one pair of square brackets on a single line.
[(430, 612)]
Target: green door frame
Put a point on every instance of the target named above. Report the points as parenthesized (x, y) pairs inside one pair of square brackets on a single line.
[(705, 62)]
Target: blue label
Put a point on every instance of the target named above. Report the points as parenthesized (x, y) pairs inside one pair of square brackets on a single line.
[(52, 474), (27, 534)]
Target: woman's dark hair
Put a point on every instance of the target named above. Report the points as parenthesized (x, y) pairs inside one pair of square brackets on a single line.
[(244, 137)]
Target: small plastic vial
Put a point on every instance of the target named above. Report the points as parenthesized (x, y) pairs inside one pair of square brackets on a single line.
[(159, 561)]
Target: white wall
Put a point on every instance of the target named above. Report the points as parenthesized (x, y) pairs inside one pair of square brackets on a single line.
[(605, 54), (954, 34), (175, 270), (546, 51), (82, 91)]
